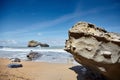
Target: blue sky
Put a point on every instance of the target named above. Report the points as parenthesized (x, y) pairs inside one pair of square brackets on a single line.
[(48, 21)]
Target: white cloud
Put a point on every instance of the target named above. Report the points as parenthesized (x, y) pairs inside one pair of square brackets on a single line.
[(39, 34), (8, 42)]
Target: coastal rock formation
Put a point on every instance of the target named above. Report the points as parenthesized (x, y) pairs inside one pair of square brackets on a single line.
[(95, 48), (33, 43), (33, 55), (43, 44)]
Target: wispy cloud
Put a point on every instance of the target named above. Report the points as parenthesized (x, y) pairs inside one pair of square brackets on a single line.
[(28, 31), (40, 25), (47, 24), (39, 34), (8, 42)]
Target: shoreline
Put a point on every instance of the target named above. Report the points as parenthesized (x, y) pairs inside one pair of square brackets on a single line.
[(36, 71), (48, 55)]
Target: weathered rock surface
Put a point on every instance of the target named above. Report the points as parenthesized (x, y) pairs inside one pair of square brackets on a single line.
[(96, 48), (33, 43)]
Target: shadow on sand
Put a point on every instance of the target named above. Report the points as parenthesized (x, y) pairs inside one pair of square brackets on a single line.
[(84, 73)]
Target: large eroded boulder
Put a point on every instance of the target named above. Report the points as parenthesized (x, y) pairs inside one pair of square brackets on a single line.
[(95, 48)]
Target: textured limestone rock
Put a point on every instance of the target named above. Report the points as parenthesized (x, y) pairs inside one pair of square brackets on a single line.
[(96, 48), (33, 43)]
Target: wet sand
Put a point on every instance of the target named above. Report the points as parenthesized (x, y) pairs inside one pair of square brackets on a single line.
[(36, 71)]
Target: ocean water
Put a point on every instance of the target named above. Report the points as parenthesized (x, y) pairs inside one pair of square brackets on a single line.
[(49, 54)]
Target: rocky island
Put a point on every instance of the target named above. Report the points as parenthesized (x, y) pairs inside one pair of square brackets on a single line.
[(95, 48), (33, 43)]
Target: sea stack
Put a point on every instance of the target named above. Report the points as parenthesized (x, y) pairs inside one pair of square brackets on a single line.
[(34, 43), (95, 48)]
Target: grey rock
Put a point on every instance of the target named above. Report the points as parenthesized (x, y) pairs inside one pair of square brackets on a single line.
[(33, 55), (15, 65)]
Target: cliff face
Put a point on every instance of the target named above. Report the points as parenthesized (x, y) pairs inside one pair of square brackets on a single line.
[(96, 48)]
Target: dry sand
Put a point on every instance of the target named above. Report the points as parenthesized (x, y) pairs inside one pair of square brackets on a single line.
[(36, 71)]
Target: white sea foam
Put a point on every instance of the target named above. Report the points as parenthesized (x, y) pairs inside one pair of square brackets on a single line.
[(33, 49), (54, 55)]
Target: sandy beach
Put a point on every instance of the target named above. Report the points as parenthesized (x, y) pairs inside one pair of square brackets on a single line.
[(36, 71)]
